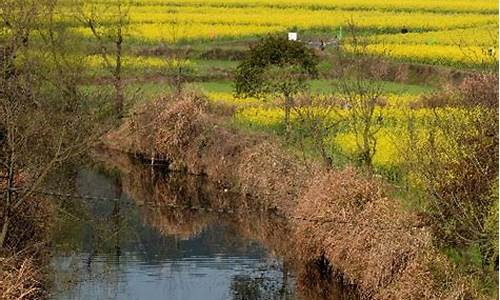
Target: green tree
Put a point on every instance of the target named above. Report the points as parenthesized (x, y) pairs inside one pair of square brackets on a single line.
[(276, 66)]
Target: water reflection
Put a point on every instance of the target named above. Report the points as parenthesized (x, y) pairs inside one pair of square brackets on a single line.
[(144, 246)]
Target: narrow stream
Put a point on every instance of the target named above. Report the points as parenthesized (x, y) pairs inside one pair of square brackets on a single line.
[(131, 249)]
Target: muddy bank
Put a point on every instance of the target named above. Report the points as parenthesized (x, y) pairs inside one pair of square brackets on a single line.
[(340, 221)]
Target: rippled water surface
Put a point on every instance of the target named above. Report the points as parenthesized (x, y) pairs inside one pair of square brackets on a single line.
[(108, 249)]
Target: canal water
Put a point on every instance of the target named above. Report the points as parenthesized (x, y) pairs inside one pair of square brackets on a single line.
[(121, 246)]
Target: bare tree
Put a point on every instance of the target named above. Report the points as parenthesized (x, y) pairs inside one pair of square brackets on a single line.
[(62, 54), (36, 132), (361, 88), (108, 25), (319, 117)]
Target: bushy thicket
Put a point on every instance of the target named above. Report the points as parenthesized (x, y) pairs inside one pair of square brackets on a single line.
[(456, 163), (250, 79)]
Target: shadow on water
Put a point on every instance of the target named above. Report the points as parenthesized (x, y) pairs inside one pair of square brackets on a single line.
[(159, 235)]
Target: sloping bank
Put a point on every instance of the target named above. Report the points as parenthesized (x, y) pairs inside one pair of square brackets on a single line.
[(368, 238)]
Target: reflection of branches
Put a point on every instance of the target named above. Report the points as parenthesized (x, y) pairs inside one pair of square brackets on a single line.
[(168, 205)]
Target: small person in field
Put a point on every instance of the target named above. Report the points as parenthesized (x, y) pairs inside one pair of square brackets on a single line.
[(404, 30), (336, 42), (212, 35), (491, 51)]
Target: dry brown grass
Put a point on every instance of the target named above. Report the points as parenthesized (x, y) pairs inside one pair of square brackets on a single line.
[(271, 174), (24, 256), (375, 244)]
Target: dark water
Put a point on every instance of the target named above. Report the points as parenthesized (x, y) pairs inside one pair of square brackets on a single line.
[(127, 249)]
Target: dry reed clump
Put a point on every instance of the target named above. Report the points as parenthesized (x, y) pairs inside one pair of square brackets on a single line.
[(163, 125), (429, 275), (331, 198), (22, 256), (270, 174), (370, 239), (176, 126), (216, 152), (181, 130)]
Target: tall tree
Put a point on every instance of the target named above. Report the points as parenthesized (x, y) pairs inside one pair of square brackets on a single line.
[(109, 26)]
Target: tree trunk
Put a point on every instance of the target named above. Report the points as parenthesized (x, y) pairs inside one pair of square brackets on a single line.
[(366, 152), (8, 201), (5, 229), (288, 107), (118, 76)]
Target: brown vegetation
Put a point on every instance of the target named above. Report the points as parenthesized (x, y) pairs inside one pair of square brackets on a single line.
[(19, 278), (42, 124), (23, 256), (370, 239)]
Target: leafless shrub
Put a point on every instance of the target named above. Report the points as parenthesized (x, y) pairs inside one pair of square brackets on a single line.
[(19, 278), (455, 158), (319, 118)]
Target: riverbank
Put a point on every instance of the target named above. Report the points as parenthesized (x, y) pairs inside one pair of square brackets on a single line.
[(340, 217), (184, 205)]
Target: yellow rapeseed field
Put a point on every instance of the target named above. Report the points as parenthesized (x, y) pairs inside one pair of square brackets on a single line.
[(446, 32)]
